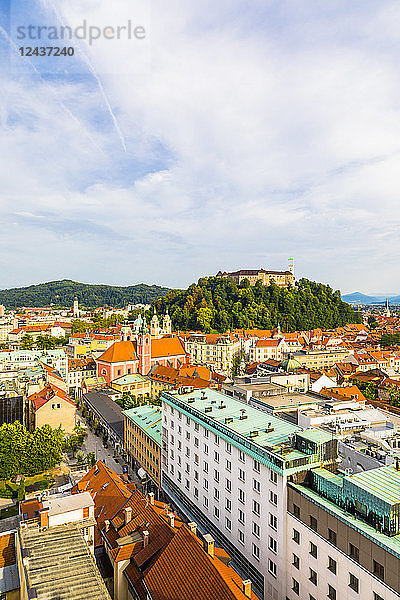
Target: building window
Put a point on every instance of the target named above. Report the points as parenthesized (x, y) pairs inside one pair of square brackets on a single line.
[(241, 537), (354, 583), (242, 496), (205, 484), (205, 449), (228, 505), (272, 567), (273, 477), (273, 498), (331, 593), (242, 476), (216, 512), (272, 544), (241, 518), (256, 529), (256, 466), (256, 508), (332, 536), (216, 475), (295, 586), (313, 550), (206, 433), (296, 511), (228, 524), (216, 494), (256, 486), (187, 485), (354, 552), (296, 561), (196, 492), (205, 467), (216, 440), (216, 457), (205, 501), (296, 536), (242, 456), (313, 577), (313, 523), (379, 570), (228, 448), (228, 465), (332, 565), (273, 521), (256, 551), (228, 485), (196, 442)]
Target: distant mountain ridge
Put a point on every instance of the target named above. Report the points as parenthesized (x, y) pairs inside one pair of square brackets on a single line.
[(360, 298), (62, 293)]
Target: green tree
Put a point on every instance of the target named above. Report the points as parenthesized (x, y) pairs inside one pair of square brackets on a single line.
[(27, 342)]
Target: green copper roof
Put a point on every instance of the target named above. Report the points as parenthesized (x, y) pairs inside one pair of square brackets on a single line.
[(127, 379), (148, 418), (259, 434), (383, 483)]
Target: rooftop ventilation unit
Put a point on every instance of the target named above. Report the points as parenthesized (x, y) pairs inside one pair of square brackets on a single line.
[(190, 400), (222, 405), (253, 433), (228, 420), (208, 409)]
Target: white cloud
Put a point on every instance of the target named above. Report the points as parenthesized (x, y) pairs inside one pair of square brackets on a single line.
[(252, 135)]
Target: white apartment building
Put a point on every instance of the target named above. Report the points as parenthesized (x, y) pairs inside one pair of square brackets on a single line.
[(227, 465), (16, 360)]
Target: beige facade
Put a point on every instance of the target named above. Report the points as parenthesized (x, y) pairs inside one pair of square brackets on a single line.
[(216, 352), (317, 359)]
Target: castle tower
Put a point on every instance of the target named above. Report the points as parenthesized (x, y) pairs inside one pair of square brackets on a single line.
[(167, 324), (155, 326), (76, 307)]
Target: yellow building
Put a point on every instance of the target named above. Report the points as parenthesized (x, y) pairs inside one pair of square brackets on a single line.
[(52, 406), (142, 438), (138, 386)]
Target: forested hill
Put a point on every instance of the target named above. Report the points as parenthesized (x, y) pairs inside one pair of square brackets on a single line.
[(219, 305), (62, 293)]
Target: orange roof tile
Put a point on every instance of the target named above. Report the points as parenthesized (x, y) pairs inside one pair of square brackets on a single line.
[(7, 550), (119, 352), (171, 346)]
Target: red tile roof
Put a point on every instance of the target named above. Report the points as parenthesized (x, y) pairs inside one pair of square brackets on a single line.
[(7, 550), (50, 391)]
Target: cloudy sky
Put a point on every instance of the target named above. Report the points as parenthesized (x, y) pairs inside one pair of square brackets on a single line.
[(233, 134)]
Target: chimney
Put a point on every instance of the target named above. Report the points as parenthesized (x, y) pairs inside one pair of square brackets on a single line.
[(44, 517), (106, 525), (151, 498), (171, 519), (127, 514), (193, 527), (145, 539), (209, 544), (246, 588)]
